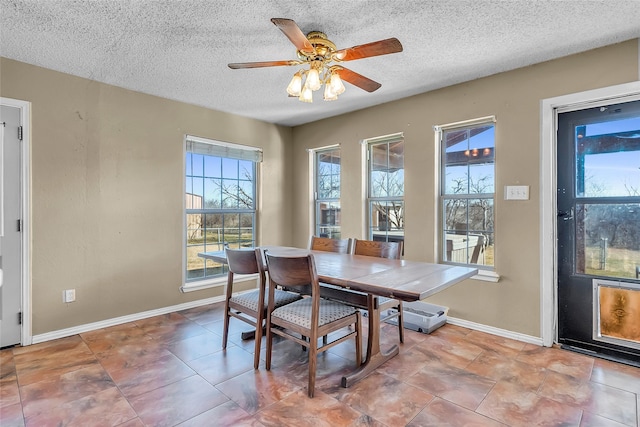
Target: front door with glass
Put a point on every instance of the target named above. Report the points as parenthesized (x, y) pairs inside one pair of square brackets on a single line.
[(598, 226)]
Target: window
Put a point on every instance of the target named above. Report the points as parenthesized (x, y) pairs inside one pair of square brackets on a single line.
[(467, 192), (385, 189), (220, 202), (327, 192)]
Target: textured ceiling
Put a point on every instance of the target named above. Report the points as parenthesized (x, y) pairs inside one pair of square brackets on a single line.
[(180, 49)]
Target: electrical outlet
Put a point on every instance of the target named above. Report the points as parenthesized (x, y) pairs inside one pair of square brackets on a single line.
[(516, 192), (69, 295)]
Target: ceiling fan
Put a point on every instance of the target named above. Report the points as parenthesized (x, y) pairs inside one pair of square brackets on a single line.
[(320, 53)]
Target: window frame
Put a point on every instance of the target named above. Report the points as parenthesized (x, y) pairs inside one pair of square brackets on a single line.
[(370, 199), (221, 150), (318, 201), (485, 272)]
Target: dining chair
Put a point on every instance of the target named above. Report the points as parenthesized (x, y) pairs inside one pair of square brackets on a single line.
[(390, 250), (251, 306), (341, 246), (306, 320)]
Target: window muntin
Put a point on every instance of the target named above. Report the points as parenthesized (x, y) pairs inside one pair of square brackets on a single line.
[(385, 189), (327, 192), (220, 193), (467, 193)]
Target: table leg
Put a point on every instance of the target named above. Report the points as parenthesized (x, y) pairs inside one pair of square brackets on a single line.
[(375, 357)]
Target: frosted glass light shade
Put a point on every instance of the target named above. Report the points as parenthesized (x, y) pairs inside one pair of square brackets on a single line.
[(295, 86), (307, 94), (336, 84), (329, 95), (313, 79)]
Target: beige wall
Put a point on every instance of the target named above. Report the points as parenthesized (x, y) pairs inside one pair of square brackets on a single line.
[(107, 189), (107, 193), (514, 98)]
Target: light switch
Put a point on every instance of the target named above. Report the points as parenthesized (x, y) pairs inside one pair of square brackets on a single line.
[(516, 192)]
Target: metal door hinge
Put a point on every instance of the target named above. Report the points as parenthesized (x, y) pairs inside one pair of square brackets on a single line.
[(19, 225), (20, 133), (20, 318)]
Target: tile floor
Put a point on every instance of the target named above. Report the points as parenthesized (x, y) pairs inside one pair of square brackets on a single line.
[(170, 370)]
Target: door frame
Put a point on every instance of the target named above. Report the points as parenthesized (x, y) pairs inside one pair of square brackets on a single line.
[(549, 109), (25, 120)]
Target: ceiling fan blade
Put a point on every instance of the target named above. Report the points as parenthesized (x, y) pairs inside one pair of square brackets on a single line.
[(381, 47), (239, 65), (359, 80), (294, 33)]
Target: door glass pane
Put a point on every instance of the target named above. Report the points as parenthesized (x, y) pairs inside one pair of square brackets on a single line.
[(608, 159), (608, 239)]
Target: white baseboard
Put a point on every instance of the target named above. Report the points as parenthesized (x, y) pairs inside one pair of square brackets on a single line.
[(495, 331), (62, 333)]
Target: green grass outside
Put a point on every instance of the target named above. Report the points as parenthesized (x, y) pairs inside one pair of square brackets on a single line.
[(619, 262), (195, 245)]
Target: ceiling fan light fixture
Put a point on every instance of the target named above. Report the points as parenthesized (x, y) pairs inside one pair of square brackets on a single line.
[(335, 83), (318, 52), (307, 94), (329, 94), (313, 79), (295, 86)]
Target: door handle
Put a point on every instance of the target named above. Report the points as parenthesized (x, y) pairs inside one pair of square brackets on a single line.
[(566, 215)]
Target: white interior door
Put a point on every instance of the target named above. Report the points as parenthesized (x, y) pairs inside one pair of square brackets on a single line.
[(10, 228)]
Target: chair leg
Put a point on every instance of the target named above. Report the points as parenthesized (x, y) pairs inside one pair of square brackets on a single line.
[(258, 344), (225, 327), (267, 362), (400, 322), (313, 364)]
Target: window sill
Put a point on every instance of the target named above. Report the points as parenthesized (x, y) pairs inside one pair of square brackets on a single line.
[(487, 276), (214, 283), (203, 284)]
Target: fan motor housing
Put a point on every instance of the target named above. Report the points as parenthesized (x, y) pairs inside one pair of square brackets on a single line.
[(322, 45)]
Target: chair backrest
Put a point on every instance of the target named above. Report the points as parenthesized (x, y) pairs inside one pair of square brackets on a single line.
[(242, 261), (342, 246), (391, 250), (292, 271)]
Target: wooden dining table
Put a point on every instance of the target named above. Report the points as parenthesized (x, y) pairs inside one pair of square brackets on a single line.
[(376, 277)]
